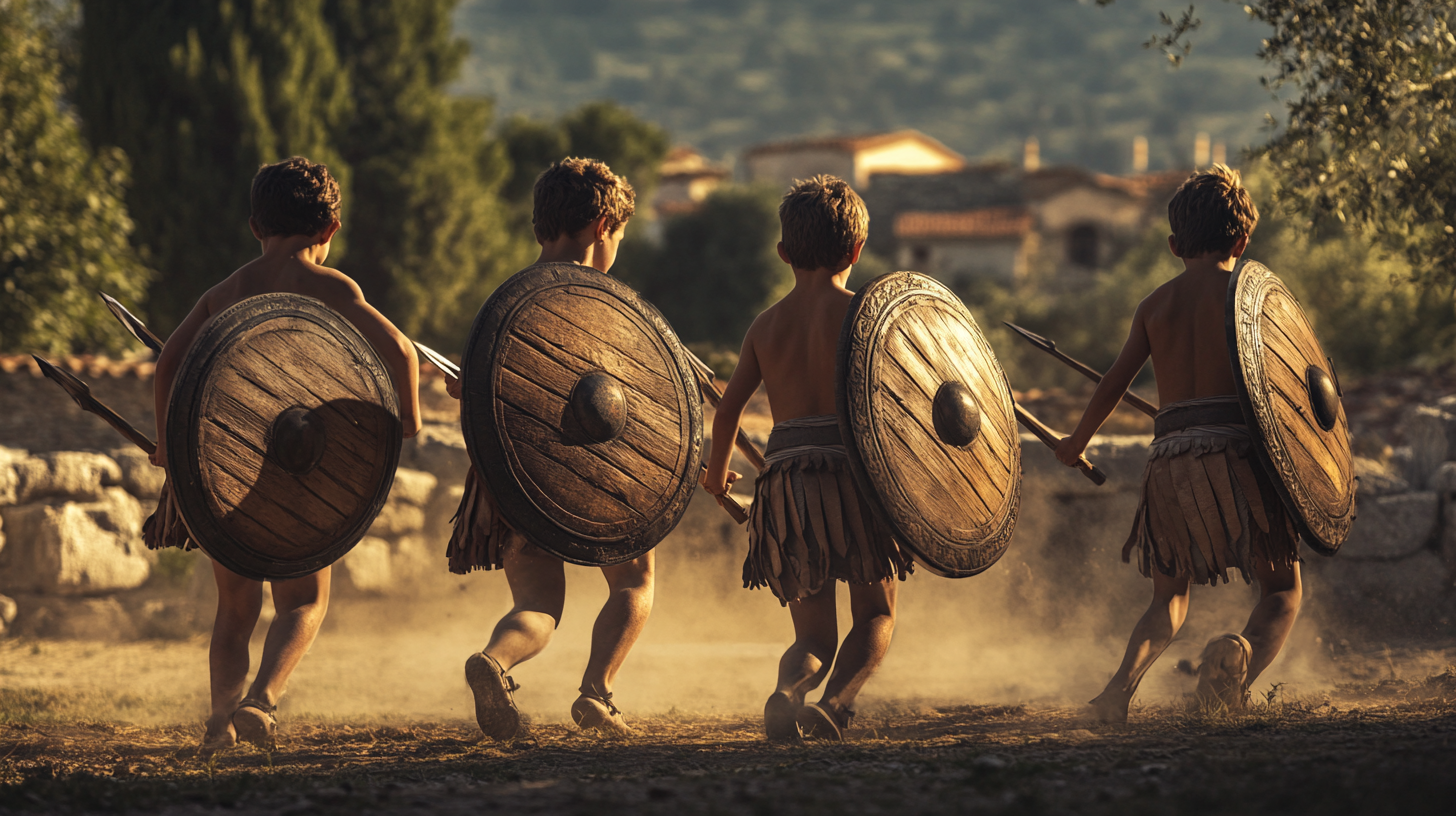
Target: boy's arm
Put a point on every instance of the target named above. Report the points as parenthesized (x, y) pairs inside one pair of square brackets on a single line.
[(174, 351), (1109, 392), (729, 413), (344, 296)]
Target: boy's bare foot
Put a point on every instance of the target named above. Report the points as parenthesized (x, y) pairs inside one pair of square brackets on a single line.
[(495, 708), (1110, 706), (1223, 667), (780, 715), (255, 723), (595, 710), (820, 721)]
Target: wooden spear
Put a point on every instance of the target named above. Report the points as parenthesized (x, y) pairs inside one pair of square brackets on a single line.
[(1088, 371), (1052, 439), (81, 393)]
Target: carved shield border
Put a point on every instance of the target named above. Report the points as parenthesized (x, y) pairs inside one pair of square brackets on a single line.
[(1249, 288), (483, 432), (184, 460), (859, 339)]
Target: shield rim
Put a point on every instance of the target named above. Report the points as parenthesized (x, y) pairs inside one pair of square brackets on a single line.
[(882, 294), (182, 412), (483, 442), (1258, 415)]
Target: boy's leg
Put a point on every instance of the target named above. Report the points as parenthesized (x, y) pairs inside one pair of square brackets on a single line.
[(1273, 617), (538, 593), (617, 628), (239, 600), (1154, 631), (299, 605), (816, 638), (620, 622), (872, 608)]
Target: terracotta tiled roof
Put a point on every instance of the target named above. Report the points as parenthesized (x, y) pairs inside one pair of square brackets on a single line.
[(990, 222), (685, 162), (852, 143)]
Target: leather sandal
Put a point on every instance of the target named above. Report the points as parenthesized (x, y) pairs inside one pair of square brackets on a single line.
[(819, 722), (495, 705), (594, 709), (256, 723)]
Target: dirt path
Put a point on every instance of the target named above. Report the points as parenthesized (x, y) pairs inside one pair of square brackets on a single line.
[(1388, 754)]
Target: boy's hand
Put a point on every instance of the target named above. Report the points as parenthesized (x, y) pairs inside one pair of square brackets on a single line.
[(452, 386), (1069, 452), (721, 488), (159, 456)]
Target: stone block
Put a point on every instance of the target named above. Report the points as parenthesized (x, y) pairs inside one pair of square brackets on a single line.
[(413, 487), (397, 519), (1395, 596), (1122, 458), (438, 450), (75, 548), (1392, 526), (1376, 479), (368, 566), (418, 558), (67, 475), (74, 619), (9, 478), (138, 475), (1424, 431)]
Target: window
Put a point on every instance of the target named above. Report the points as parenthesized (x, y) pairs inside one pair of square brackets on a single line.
[(1082, 245)]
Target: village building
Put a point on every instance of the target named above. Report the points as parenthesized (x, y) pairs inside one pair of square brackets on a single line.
[(686, 178), (854, 158)]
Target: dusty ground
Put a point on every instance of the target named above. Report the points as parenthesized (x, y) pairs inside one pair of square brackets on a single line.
[(1369, 744)]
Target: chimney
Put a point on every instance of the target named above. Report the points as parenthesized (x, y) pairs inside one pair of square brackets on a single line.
[(1200, 150), (1220, 153), (1140, 154), (1031, 155)]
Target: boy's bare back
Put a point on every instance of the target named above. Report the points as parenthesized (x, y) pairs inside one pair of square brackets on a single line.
[(793, 345), (1184, 325)]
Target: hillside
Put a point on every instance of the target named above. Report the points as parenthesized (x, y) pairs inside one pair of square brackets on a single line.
[(982, 76)]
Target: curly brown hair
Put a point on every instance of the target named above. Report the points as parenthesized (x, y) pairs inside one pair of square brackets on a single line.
[(822, 220), (294, 197), (1210, 212), (572, 193)]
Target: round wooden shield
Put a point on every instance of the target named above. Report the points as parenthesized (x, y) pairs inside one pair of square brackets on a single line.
[(926, 415), (1291, 397), (283, 435), (582, 413)]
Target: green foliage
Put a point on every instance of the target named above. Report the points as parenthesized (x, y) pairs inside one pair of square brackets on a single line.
[(198, 95), (979, 76), (63, 227), (716, 268), (597, 130), (429, 235)]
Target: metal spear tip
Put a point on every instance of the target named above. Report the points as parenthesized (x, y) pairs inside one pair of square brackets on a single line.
[(438, 360), (1032, 336), (65, 379)]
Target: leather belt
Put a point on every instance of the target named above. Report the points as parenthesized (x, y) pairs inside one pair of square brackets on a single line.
[(822, 436), (1178, 417)]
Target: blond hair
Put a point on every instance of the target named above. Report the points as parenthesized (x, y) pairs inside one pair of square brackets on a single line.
[(822, 221), (1210, 212)]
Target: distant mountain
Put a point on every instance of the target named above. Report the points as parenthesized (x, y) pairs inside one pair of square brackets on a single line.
[(979, 76)]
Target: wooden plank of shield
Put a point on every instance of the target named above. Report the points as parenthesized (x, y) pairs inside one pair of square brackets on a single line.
[(1290, 394)]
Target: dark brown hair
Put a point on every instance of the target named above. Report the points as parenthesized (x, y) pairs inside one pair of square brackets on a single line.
[(822, 220), (294, 197), (572, 193), (1210, 212)]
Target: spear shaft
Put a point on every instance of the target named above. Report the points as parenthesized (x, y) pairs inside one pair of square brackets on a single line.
[(1088, 371), (1051, 438), (81, 393)]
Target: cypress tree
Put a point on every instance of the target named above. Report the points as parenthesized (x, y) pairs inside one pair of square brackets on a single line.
[(429, 234), (63, 226), (199, 95)]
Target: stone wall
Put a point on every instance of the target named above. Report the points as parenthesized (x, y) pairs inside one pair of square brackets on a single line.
[(72, 502)]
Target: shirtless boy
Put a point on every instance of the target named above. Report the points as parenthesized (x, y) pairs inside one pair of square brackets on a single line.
[(1203, 451), (580, 215), (295, 213), (797, 548)]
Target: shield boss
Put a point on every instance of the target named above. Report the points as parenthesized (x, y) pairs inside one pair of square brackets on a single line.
[(283, 435), (1290, 396), (926, 415), (581, 413)]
